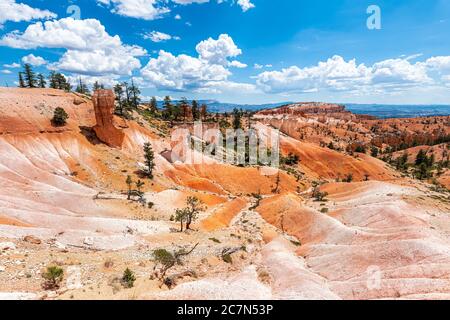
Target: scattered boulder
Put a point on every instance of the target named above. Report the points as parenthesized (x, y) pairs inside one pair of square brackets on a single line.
[(77, 101), (89, 241), (7, 246), (57, 244), (32, 240)]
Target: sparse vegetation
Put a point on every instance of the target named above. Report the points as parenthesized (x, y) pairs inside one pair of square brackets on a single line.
[(258, 197), (237, 116), (227, 258), (290, 160), (30, 76), (128, 278), (149, 160), (129, 183), (348, 178), (53, 276), (374, 152), (82, 87), (189, 214), (165, 260), (318, 195), (60, 117), (21, 80)]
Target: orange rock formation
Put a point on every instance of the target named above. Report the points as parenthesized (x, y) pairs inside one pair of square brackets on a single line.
[(106, 128)]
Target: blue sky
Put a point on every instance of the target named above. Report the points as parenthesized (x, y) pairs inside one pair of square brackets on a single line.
[(239, 51)]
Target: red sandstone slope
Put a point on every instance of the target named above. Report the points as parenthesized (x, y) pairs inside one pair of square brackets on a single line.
[(64, 185), (323, 163), (369, 228), (441, 152)]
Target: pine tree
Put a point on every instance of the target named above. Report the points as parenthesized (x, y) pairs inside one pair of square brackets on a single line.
[(153, 105), (139, 185), (203, 112), (176, 111), (127, 93), (183, 106), (53, 80), (59, 117), (81, 87), (168, 110), (194, 207), (21, 81), (167, 102), (421, 157), (118, 90), (195, 111), (30, 76), (41, 80), (129, 182), (58, 81), (135, 92), (97, 86), (149, 160), (237, 119)]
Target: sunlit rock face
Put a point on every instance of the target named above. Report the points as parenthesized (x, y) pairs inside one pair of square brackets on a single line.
[(107, 129)]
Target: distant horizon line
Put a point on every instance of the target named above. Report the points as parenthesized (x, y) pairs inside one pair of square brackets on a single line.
[(287, 102)]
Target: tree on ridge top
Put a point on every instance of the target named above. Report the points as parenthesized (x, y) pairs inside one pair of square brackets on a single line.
[(30, 76)]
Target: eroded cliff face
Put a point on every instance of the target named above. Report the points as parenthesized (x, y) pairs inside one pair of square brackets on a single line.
[(107, 129)]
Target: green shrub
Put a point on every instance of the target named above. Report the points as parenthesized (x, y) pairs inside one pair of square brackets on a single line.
[(53, 277), (296, 243), (164, 257), (348, 178), (319, 195), (128, 278), (290, 160), (227, 258), (60, 117)]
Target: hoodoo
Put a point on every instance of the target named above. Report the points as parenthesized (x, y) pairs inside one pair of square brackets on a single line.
[(106, 127)]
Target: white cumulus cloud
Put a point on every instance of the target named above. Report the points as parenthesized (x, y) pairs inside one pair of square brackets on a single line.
[(12, 65), (183, 72), (237, 64), (140, 9), (218, 51), (206, 73), (337, 74), (12, 11), (90, 49), (157, 36), (245, 5), (34, 60)]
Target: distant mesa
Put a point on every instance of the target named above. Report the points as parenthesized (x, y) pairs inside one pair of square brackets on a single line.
[(315, 108), (306, 108)]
